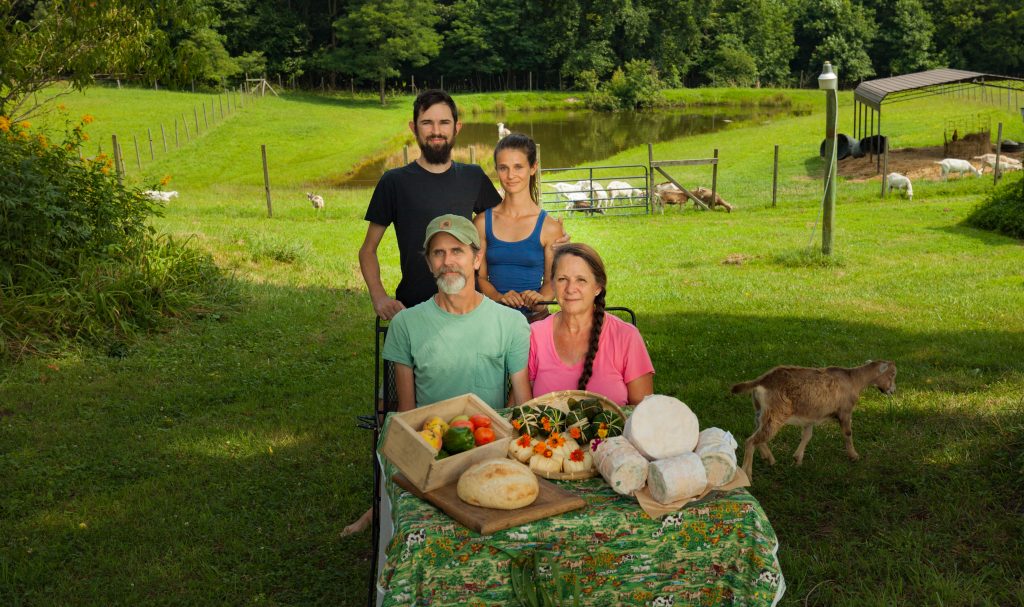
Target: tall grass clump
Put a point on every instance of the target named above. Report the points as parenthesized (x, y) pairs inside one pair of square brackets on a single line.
[(1003, 210), (78, 258)]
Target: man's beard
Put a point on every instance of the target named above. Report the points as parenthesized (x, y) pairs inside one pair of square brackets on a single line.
[(447, 285), (436, 155)]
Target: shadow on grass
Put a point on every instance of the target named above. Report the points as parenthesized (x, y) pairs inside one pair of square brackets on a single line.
[(342, 102), (983, 236)]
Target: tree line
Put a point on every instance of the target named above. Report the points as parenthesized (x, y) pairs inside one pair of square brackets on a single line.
[(516, 44)]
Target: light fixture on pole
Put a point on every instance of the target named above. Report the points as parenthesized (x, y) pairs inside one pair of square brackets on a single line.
[(828, 82)]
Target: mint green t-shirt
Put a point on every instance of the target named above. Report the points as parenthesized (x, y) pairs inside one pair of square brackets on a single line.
[(452, 354)]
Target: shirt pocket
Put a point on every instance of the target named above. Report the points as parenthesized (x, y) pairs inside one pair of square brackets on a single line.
[(489, 377)]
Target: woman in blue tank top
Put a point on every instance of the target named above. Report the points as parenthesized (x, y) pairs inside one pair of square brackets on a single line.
[(517, 234)]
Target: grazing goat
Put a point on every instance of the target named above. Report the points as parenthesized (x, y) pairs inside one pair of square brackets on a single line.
[(1005, 162), (565, 186), (706, 197), (160, 196), (900, 182), (802, 396), (578, 201), (956, 165), (622, 189), (502, 131)]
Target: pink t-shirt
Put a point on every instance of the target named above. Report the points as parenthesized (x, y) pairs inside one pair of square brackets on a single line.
[(621, 358)]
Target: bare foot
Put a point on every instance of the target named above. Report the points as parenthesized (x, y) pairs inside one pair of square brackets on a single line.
[(361, 523)]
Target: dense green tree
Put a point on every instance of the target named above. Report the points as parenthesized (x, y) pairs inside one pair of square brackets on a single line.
[(377, 37), (904, 42), (839, 31), (62, 40), (266, 35), (677, 40), (983, 35)]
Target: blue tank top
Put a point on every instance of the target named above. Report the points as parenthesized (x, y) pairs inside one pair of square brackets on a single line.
[(515, 266)]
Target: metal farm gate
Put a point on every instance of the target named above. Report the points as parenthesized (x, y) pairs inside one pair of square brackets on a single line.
[(600, 190)]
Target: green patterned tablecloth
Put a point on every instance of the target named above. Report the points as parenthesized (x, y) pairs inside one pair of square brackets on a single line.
[(719, 551)]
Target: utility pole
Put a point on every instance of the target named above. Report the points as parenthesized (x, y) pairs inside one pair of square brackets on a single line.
[(828, 82)]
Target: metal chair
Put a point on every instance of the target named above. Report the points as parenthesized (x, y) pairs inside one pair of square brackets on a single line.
[(385, 400)]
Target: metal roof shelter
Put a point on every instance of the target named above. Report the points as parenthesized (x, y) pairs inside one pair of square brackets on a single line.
[(871, 94)]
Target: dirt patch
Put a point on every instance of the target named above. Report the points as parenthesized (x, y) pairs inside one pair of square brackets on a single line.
[(916, 163)]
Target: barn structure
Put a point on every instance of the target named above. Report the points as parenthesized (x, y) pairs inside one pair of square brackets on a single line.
[(869, 95)]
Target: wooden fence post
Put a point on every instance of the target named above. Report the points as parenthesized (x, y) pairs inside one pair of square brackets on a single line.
[(472, 155), (405, 154), (885, 167), (996, 173), (220, 102), (714, 180), (537, 193), (184, 123), (195, 114), (117, 159), (138, 157), (266, 180), (206, 120), (775, 176), (152, 156)]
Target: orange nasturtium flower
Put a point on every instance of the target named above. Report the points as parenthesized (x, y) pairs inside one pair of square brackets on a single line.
[(577, 455), (25, 124), (544, 421), (517, 424), (548, 453), (556, 440), (575, 432), (5, 124), (87, 119), (602, 430), (165, 180), (524, 440), (540, 447)]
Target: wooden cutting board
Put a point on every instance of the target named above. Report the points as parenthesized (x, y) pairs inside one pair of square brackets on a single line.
[(485, 521)]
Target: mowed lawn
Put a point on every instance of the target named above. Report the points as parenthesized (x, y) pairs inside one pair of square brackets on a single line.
[(218, 461)]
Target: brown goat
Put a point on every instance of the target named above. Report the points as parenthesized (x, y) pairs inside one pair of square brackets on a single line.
[(712, 201), (801, 396)]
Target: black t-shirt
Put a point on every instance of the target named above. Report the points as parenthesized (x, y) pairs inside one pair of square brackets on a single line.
[(410, 197)]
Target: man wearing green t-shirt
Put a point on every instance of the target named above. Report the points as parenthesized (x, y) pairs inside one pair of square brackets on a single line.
[(458, 341)]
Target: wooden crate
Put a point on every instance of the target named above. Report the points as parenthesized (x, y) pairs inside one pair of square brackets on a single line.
[(411, 454)]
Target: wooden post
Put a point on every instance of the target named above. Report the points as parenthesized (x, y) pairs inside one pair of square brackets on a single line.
[(996, 173), (714, 181), (472, 155), (152, 156), (177, 144), (650, 167), (220, 102), (163, 135), (266, 180), (829, 202), (885, 167), (184, 123), (138, 157), (117, 159), (195, 114), (878, 162), (537, 192), (775, 175), (206, 120), (405, 154)]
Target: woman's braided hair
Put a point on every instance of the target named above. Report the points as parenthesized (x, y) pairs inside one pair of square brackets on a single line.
[(590, 256)]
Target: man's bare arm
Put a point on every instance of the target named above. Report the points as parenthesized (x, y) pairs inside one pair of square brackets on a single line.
[(384, 305), (405, 383), (521, 390)]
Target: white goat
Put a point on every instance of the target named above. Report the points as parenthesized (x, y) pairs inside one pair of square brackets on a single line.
[(160, 196), (502, 131), (1005, 162), (622, 189), (579, 201), (316, 199), (900, 182), (564, 186), (956, 165)]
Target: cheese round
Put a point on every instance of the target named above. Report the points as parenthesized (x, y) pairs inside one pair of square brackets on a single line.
[(662, 427), (717, 450), (498, 483), (676, 478)]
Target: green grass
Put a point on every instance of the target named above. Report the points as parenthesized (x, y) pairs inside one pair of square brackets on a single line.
[(218, 461)]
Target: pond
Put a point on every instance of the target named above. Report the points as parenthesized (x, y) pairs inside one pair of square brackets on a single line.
[(571, 138)]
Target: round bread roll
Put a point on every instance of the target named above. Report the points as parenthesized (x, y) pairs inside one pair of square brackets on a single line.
[(498, 483)]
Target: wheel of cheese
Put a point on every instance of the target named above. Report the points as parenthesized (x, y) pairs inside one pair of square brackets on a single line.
[(717, 449), (675, 478), (498, 483), (662, 427)]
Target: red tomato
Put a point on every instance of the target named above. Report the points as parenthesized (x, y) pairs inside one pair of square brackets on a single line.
[(482, 436), (462, 423), (480, 421)]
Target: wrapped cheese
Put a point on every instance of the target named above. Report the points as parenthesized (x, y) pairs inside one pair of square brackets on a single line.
[(522, 448), (546, 465), (662, 427), (621, 465), (675, 478), (578, 460), (717, 450)]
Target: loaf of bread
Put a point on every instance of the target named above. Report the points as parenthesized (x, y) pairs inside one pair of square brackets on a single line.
[(499, 483)]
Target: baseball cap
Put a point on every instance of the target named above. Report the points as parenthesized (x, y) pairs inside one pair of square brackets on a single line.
[(456, 225)]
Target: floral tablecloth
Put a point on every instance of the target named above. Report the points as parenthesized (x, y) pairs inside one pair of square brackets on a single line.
[(718, 551)]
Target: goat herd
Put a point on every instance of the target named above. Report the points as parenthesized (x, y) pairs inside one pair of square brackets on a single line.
[(900, 182), (591, 197)]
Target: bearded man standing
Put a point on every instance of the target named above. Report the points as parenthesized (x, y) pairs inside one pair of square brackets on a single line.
[(410, 196), (457, 341)]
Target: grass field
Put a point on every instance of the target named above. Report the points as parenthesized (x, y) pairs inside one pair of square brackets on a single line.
[(216, 463)]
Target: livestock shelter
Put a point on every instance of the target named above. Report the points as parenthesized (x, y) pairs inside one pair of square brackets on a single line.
[(869, 95)]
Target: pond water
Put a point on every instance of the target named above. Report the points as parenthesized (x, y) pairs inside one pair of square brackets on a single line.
[(571, 138)]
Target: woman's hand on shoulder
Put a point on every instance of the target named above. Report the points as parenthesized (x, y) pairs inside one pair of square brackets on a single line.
[(554, 234)]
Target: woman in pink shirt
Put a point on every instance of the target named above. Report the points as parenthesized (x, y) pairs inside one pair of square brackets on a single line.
[(581, 347)]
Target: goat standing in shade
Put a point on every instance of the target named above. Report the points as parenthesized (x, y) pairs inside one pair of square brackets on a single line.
[(801, 396), (317, 200)]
